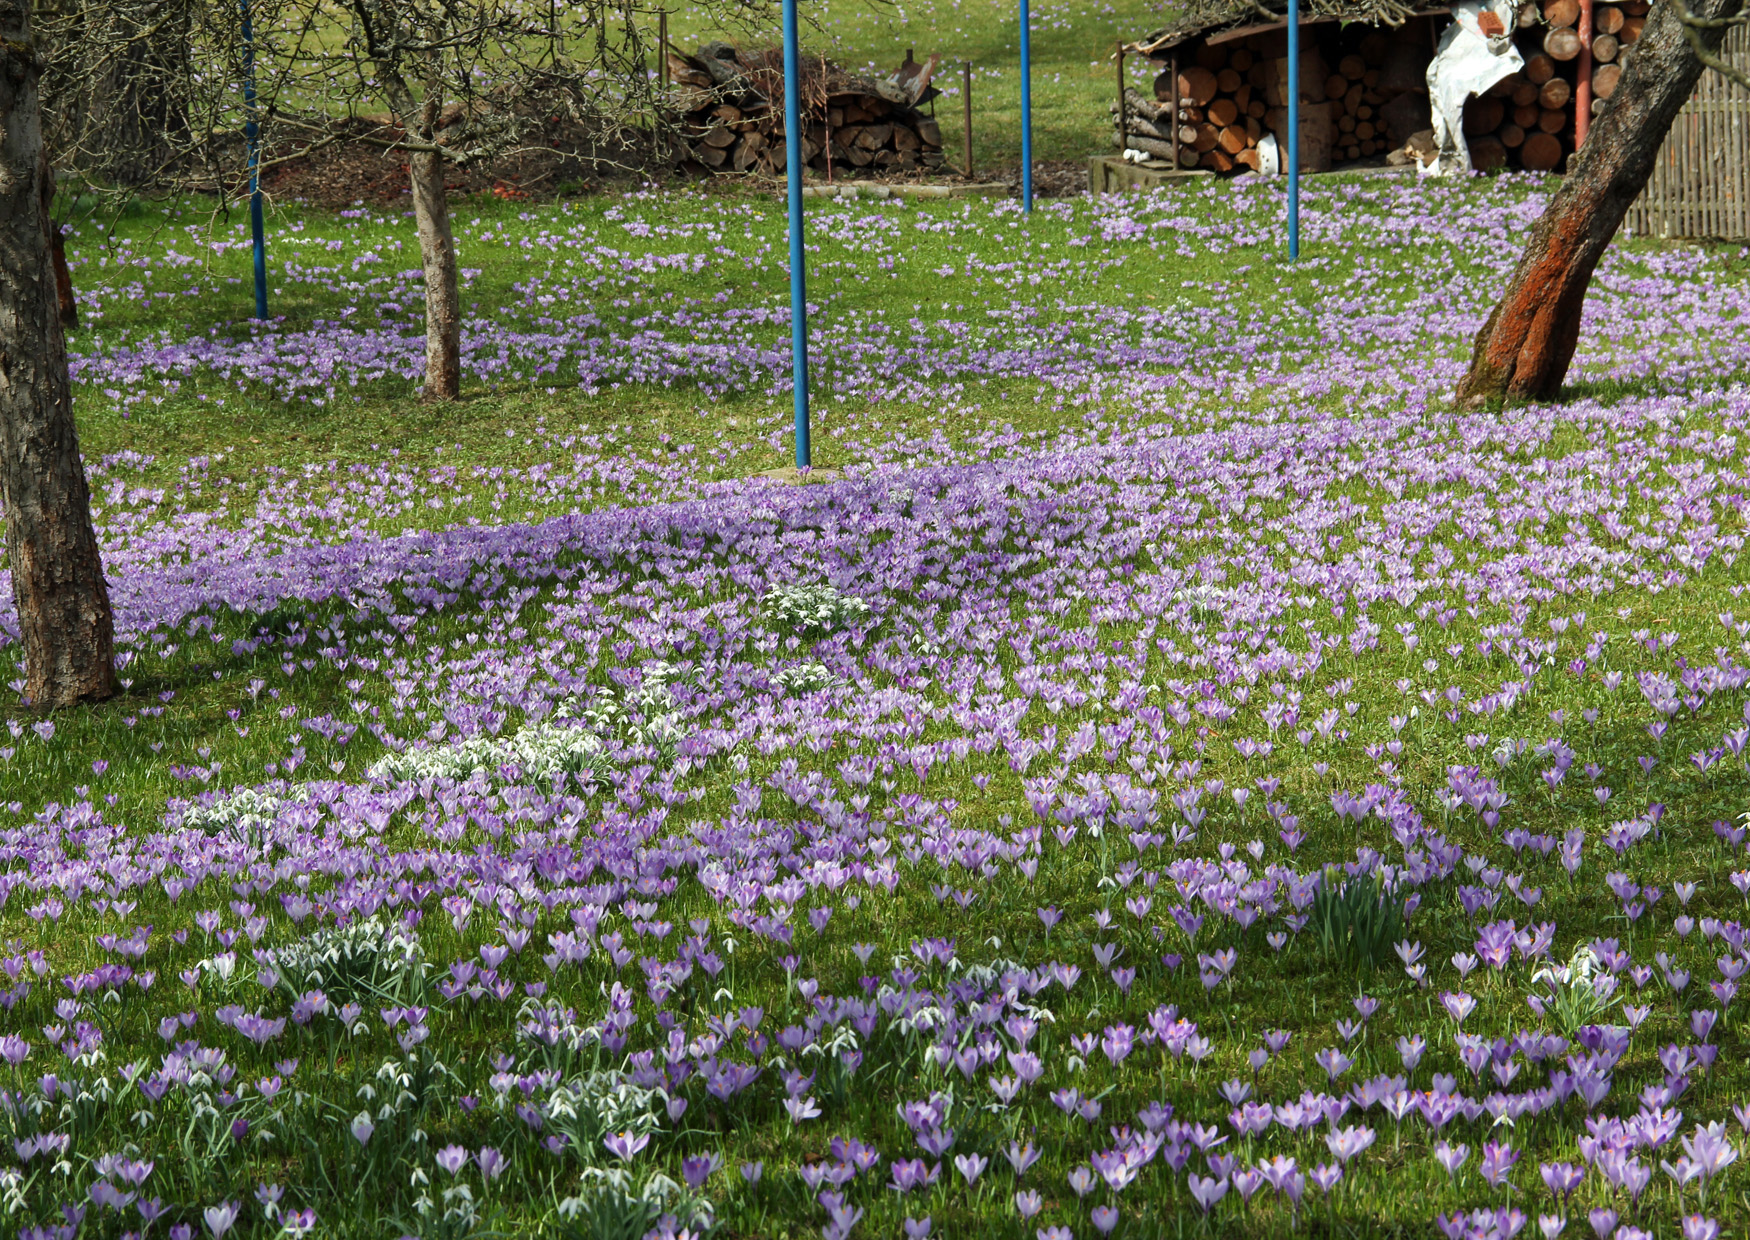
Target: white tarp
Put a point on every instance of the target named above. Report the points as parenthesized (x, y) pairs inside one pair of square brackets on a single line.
[(1467, 63)]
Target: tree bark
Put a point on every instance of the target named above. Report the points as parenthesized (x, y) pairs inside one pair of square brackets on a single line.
[(443, 299), (64, 616), (391, 48), (1524, 349), (437, 242), (64, 302), (69, 309)]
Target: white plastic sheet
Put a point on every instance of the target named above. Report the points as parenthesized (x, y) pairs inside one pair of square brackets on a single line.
[(1467, 63)]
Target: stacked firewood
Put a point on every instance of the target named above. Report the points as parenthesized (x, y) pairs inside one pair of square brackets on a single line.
[(1615, 27), (1364, 91), (1232, 95), (733, 114), (1219, 108), (1527, 120)]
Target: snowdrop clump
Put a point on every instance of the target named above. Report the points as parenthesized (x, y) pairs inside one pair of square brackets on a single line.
[(242, 812), (820, 608), (806, 678), (354, 961), (576, 740), (1576, 994), (538, 750)]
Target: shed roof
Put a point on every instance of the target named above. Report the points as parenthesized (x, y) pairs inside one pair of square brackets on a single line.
[(1202, 18)]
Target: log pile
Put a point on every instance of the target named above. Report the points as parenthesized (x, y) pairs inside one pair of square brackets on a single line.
[(1615, 27), (1369, 101), (732, 114), (1527, 120), (1364, 91)]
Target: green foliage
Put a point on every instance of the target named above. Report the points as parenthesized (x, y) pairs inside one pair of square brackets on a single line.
[(1356, 921), (609, 1207), (1577, 994), (354, 963), (612, 1215)]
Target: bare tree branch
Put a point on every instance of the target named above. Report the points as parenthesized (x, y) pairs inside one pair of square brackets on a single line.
[(1692, 28)]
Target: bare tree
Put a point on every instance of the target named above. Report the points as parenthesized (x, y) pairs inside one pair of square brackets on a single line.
[(119, 98), (109, 99), (65, 624), (144, 96), (1524, 349), (404, 44), (464, 82), (418, 56)]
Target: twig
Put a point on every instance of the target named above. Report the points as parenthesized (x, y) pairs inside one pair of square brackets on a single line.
[(1692, 28)]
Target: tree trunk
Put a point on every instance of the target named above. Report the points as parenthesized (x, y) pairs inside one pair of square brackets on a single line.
[(1524, 349), (64, 616), (431, 204), (69, 309), (443, 300), (143, 99), (437, 251)]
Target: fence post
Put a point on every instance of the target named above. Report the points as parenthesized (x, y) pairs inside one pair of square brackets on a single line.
[(968, 99), (1123, 135)]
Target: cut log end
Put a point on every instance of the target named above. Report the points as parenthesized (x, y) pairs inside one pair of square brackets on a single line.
[(1542, 152), (1562, 43)]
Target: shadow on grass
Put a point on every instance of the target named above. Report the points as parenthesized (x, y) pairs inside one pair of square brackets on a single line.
[(1609, 391), (1650, 386)]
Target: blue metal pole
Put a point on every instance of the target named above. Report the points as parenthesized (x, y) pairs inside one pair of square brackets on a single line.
[(1293, 129), (252, 139), (1026, 108), (798, 277)]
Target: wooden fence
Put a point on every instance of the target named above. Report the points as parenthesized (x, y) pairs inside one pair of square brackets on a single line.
[(1701, 185)]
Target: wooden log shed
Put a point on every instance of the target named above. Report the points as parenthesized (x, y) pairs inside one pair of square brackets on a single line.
[(1364, 91)]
